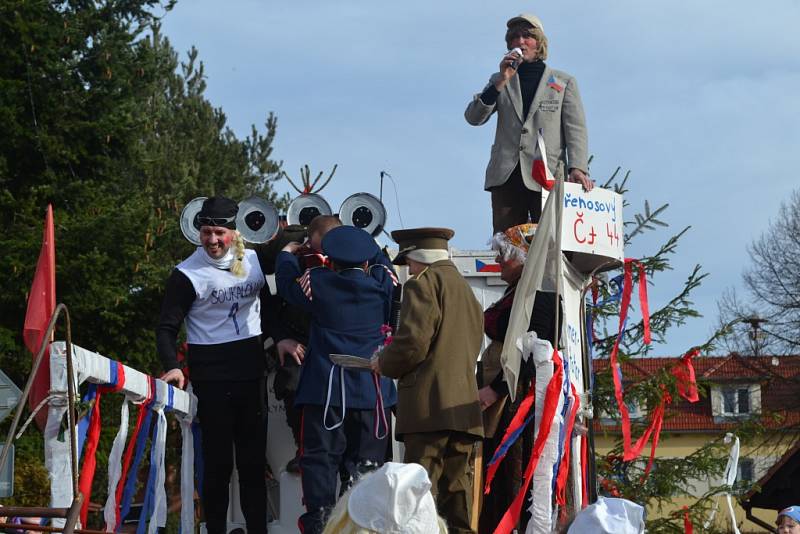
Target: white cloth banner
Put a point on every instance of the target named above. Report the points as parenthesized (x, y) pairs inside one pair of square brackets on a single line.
[(539, 273), (115, 467)]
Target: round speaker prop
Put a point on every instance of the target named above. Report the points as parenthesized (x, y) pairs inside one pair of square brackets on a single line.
[(305, 207), (364, 211), (257, 220), (189, 225)]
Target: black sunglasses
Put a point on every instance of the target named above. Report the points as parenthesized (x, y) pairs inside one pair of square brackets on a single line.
[(215, 221)]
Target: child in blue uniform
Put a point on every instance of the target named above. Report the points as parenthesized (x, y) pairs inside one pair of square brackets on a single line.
[(344, 419)]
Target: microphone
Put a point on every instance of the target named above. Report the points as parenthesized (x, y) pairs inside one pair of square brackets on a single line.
[(515, 63)]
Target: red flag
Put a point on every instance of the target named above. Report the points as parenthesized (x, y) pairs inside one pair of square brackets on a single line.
[(41, 304), (539, 170)]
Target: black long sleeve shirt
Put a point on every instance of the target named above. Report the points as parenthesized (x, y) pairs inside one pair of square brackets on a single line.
[(235, 360), (543, 319)]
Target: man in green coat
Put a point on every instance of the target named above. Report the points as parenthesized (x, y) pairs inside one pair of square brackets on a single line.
[(433, 354)]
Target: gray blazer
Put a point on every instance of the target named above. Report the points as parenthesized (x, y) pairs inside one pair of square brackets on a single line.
[(558, 113)]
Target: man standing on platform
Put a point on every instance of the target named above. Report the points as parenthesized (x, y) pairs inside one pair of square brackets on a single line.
[(433, 354), (529, 96), (217, 292)]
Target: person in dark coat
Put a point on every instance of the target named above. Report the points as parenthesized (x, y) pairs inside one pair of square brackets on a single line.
[(345, 416), (290, 325), (498, 410)]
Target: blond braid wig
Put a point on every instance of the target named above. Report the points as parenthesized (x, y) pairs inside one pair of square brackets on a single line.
[(237, 268)]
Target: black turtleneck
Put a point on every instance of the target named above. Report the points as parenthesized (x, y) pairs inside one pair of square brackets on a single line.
[(530, 74)]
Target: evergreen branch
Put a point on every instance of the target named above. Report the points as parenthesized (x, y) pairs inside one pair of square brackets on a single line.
[(646, 221)]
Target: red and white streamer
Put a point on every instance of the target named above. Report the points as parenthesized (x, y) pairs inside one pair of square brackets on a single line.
[(552, 397)]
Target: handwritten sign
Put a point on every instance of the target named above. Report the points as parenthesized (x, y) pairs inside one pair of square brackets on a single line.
[(592, 227)]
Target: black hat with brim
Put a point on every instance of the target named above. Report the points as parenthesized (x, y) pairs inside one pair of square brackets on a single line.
[(218, 211)]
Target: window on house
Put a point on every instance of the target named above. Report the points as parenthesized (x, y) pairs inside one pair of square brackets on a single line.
[(736, 401), (745, 471)]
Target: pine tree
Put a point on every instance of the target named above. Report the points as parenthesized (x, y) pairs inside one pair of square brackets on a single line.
[(671, 477), (99, 118)]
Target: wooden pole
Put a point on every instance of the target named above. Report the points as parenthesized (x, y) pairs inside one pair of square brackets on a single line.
[(477, 485)]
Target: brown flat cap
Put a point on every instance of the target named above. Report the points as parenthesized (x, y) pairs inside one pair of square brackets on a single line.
[(420, 238)]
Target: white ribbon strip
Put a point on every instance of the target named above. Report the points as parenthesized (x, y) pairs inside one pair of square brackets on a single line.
[(541, 489), (159, 516), (187, 466), (730, 475), (115, 467)]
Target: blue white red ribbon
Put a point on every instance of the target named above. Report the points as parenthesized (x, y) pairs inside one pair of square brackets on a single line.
[(551, 400), (561, 479), (116, 382), (563, 439), (154, 508), (141, 434), (521, 419)]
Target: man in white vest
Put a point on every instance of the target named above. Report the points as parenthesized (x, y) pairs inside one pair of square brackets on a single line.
[(216, 293)]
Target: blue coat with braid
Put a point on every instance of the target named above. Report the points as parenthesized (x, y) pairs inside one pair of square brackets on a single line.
[(347, 310)]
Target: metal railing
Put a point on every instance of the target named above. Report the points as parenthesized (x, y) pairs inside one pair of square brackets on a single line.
[(72, 513)]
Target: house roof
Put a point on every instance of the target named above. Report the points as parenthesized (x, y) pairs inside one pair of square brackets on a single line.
[(779, 377), (777, 489)]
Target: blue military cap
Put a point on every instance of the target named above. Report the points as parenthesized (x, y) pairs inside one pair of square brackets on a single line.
[(348, 245)]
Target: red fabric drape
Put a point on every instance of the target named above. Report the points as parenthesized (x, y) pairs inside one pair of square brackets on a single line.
[(92, 439)]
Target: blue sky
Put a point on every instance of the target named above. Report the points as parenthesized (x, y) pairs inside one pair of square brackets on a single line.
[(698, 99)]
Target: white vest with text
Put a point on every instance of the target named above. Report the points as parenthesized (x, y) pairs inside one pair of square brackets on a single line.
[(226, 307)]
